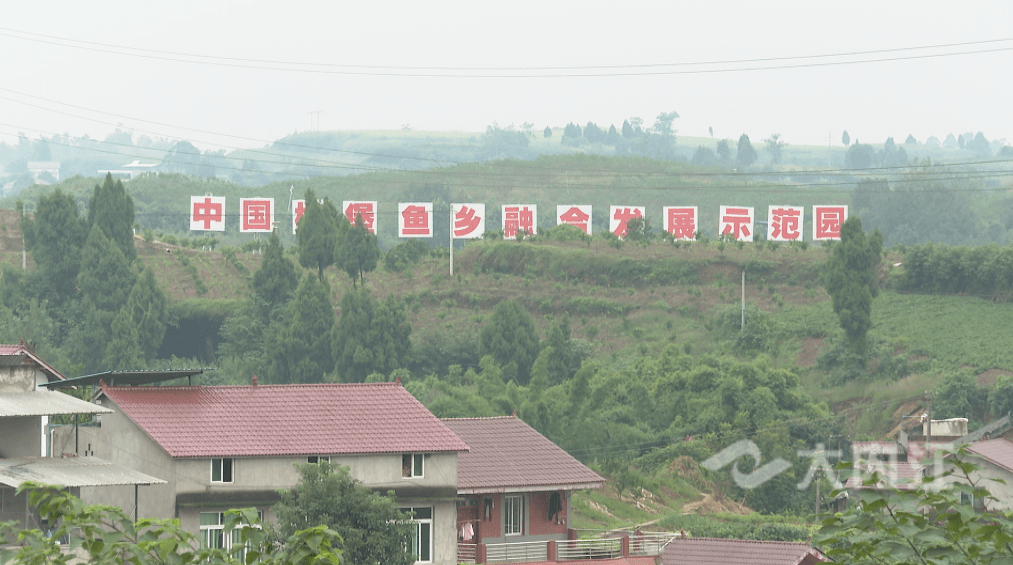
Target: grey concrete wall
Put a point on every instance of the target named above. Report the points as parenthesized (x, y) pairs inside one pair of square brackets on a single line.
[(380, 471), (20, 379), (119, 440), (21, 437)]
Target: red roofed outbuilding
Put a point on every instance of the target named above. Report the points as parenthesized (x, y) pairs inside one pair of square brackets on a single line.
[(514, 486), (224, 447), (706, 551)]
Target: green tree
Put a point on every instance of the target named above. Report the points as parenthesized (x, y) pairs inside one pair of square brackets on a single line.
[(319, 232), (663, 123), (850, 280), (359, 251), (300, 345), (775, 146), (846, 139), (370, 337), (104, 535), (922, 525), (1000, 398), (55, 236), (547, 133), (105, 278), (148, 312), (275, 280), (563, 361), (959, 397), (724, 151), (509, 337), (372, 528), (746, 154), (124, 349), (112, 209)]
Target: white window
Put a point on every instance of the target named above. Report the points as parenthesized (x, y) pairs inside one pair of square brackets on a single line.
[(221, 470), (422, 538), (412, 465), (513, 515), (214, 536), (318, 458)]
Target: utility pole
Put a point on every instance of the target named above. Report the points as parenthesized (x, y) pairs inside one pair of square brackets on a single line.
[(315, 113), (830, 152), (742, 324)]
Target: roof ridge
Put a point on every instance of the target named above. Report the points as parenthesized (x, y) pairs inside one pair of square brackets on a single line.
[(762, 541), (245, 386), (484, 418)]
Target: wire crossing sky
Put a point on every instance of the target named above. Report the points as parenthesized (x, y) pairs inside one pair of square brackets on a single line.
[(240, 72)]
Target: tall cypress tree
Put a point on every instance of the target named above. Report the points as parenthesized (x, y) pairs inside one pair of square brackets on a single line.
[(105, 278), (851, 280), (318, 233), (275, 280), (112, 209), (55, 236)]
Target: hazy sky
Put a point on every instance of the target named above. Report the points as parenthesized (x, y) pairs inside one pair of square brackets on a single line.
[(256, 69)]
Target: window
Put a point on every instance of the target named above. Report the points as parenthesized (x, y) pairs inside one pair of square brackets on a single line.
[(221, 470), (318, 458), (411, 465), (213, 535), (422, 538), (513, 515)]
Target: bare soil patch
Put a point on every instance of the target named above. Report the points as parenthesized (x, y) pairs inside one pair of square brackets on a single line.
[(989, 377), (809, 351)]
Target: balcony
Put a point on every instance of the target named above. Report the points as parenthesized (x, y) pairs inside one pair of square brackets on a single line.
[(628, 544)]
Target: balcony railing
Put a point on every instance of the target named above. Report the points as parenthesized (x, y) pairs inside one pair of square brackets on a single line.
[(517, 552), (628, 544), (581, 549)]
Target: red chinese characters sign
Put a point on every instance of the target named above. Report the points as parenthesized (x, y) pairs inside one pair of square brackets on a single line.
[(415, 219), (827, 222), (519, 217), (681, 222), (576, 215), (256, 214), (365, 209), (298, 209), (784, 223), (737, 222), (207, 213), (620, 215), (469, 221)]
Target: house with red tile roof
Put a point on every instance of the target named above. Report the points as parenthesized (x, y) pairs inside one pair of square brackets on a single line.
[(705, 551), (994, 458), (514, 491), (25, 451), (224, 447)]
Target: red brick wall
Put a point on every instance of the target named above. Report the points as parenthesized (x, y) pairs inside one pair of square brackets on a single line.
[(538, 515)]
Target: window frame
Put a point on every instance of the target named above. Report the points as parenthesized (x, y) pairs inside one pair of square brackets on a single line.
[(226, 540), (219, 464), (319, 458), (415, 468), (421, 524), (513, 515)]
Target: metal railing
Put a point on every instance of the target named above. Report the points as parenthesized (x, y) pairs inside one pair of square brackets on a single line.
[(650, 543), (516, 552), (571, 550), (466, 552)]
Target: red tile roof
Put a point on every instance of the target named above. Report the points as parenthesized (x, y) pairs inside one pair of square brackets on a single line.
[(508, 455), (997, 451), (701, 551), (22, 349), (276, 420)]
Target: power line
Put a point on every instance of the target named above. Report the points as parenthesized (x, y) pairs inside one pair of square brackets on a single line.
[(497, 72)]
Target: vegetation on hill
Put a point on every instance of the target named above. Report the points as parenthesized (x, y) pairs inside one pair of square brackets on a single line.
[(630, 353)]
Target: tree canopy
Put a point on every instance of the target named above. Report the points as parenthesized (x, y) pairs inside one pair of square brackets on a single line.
[(371, 527), (509, 337), (746, 154), (358, 253), (851, 280), (319, 232), (112, 209)]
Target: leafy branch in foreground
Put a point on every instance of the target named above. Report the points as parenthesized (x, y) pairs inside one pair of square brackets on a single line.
[(927, 524), (105, 535)]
